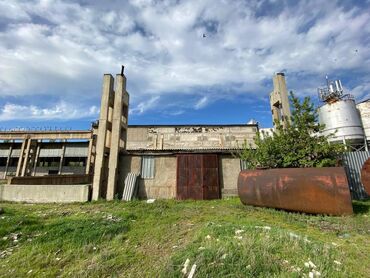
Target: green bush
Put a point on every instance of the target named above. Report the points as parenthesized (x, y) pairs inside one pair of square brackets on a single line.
[(298, 145)]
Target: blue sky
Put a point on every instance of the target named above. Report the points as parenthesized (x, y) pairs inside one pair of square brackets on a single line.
[(53, 54)]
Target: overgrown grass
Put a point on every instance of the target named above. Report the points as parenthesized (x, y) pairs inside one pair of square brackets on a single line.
[(223, 238)]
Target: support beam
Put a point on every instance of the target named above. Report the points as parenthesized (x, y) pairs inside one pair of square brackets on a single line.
[(36, 158), (99, 173), (7, 161), (26, 157), (19, 165), (115, 141), (60, 170), (89, 155)]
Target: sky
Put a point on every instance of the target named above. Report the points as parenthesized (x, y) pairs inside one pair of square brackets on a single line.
[(186, 62)]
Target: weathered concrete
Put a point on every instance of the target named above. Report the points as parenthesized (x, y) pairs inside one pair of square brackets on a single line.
[(230, 169), (101, 152), (196, 137), (279, 100), (44, 193), (52, 180), (112, 135), (162, 186), (44, 135), (118, 136)]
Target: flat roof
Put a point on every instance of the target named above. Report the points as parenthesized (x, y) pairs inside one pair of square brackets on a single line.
[(192, 125)]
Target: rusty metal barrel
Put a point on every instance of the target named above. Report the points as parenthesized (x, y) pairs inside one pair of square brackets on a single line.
[(365, 176), (309, 190)]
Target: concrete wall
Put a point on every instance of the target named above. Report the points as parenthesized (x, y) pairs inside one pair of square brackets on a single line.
[(44, 193), (162, 186), (229, 172), (189, 137), (11, 171)]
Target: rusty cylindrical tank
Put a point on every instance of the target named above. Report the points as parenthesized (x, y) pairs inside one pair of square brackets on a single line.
[(365, 176), (310, 190)]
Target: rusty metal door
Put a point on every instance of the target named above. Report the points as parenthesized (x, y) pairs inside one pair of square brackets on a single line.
[(197, 177)]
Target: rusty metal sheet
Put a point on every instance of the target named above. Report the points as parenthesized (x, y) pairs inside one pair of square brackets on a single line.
[(365, 176), (197, 177), (310, 190), (211, 185)]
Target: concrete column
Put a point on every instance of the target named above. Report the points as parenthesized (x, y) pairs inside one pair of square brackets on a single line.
[(89, 154), (8, 160), (62, 159), (25, 161), (36, 159), (102, 131), (19, 165), (120, 90)]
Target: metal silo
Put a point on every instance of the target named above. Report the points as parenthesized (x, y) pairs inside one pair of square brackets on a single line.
[(340, 116), (364, 109)]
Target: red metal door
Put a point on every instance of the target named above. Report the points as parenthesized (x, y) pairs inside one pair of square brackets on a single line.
[(211, 187), (197, 177)]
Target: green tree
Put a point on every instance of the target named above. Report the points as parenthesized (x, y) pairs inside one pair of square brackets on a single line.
[(300, 144)]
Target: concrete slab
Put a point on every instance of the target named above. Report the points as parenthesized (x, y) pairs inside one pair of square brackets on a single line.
[(44, 193)]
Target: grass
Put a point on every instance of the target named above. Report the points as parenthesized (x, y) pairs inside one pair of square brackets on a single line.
[(223, 238)]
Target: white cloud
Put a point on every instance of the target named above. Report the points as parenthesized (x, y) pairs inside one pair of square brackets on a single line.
[(201, 103), (61, 48), (145, 106), (61, 111)]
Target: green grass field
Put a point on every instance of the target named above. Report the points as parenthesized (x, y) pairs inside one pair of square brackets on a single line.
[(222, 238)]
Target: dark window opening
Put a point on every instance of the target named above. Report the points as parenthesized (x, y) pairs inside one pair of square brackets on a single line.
[(3, 161), (48, 162), (75, 161), (13, 162)]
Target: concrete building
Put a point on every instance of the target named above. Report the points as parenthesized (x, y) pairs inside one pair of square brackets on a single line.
[(37, 153), (279, 101), (158, 153), (174, 161)]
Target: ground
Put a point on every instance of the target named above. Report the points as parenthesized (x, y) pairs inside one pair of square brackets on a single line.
[(223, 238)]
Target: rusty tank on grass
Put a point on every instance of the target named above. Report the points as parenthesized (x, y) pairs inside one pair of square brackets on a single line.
[(365, 176), (310, 190)]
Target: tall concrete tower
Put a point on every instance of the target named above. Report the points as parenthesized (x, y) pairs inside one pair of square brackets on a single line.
[(279, 101), (111, 136)]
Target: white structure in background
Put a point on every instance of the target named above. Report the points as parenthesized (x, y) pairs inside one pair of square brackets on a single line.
[(341, 117), (265, 132), (364, 109)]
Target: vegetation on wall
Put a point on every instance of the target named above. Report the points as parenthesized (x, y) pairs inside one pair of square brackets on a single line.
[(300, 144)]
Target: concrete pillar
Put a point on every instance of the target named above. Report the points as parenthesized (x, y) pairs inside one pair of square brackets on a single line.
[(279, 100), (19, 165), (107, 95), (89, 154), (115, 140), (8, 160), (25, 161), (36, 159), (62, 159)]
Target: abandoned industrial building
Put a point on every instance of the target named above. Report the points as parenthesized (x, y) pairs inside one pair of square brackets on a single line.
[(171, 161)]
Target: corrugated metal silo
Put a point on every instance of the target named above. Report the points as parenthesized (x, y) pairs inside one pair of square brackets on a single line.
[(340, 116), (343, 119), (364, 109)]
